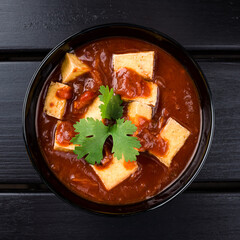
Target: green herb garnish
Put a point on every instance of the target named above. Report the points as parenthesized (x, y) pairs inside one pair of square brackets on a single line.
[(93, 133), (123, 144), (111, 107)]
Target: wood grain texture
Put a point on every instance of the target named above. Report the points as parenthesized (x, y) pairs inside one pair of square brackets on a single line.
[(213, 24), (221, 165), (190, 216), (14, 163), (223, 160)]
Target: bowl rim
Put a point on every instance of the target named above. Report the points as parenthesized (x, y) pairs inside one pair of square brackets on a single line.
[(209, 139)]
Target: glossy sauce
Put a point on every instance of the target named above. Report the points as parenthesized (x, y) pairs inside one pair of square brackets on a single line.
[(129, 84), (64, 93), (177, 98), (64, 133)]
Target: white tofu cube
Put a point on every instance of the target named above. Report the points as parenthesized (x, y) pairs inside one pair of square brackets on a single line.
[(150, 100), (55, 106), (94, 110), (140, 62), (72, 67), (63, 148), (67, 146), (115, 172), (136, 110), (176, 135)]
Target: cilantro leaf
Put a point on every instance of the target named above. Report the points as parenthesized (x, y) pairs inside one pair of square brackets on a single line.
[(92, 135), (111, 107), (123, 144)]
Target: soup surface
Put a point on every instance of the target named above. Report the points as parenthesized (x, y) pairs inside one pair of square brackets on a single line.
[(177, 98)]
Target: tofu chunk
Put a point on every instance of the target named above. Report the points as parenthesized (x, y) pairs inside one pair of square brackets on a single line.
[(66, 145), (140, 62), (72, 67), (63, 148), (150, 100), (176, 135), (136, 110), (55, 106), (94, 110), (116, 172)]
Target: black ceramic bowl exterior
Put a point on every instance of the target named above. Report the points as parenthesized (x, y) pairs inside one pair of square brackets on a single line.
[(83, 37)]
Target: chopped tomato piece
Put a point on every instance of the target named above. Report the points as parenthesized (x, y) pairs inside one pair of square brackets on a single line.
[(64, 93), (84, 100), (129, 84), (64, 133)]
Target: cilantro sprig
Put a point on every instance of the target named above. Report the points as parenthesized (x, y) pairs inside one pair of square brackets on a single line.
[(111, 107), (123, 144), (93, 133)]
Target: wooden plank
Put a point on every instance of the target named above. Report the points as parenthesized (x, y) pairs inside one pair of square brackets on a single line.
[(223, 160), (190, 216), (222, 163), (27, 24), (14, 163)]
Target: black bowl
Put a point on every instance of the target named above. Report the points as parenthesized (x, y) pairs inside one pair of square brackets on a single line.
[(83, 37)]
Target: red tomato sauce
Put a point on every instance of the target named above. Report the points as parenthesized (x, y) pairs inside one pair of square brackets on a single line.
[(129, 84), (64, 93), (177, 98), (64, 133)]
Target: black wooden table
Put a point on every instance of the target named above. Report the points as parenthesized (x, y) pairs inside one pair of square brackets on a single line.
[(210, 207)]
